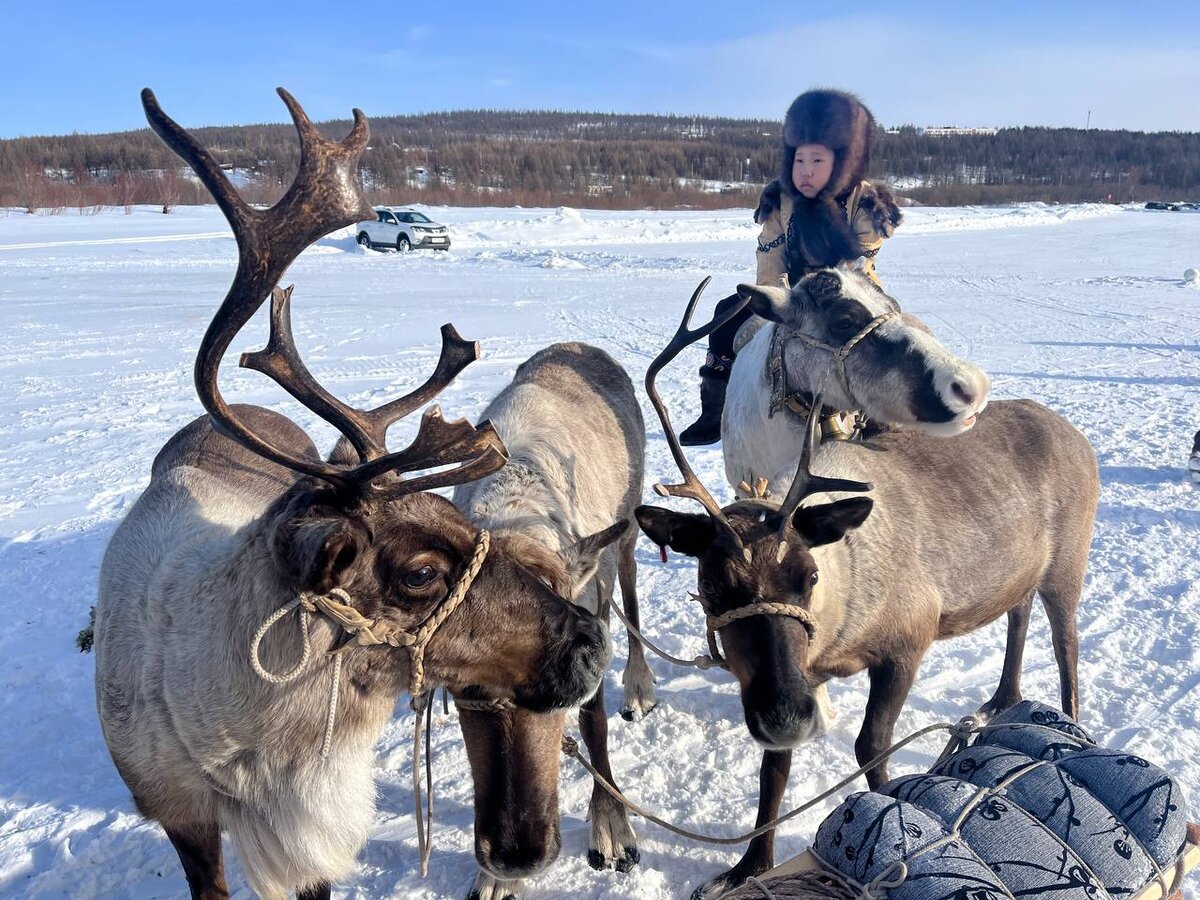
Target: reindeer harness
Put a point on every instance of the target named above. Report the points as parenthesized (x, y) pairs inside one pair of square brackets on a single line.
[(360, 631), (797, 401)]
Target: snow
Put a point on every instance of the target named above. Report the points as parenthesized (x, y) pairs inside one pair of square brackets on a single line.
[(1080, 307)]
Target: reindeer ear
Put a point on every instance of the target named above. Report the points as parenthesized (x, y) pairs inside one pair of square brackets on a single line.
[(686, 533), (829, 522), (584, 557), (767, 301), (316, 545)]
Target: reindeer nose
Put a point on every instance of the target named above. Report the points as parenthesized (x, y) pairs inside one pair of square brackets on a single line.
[(963, 392)]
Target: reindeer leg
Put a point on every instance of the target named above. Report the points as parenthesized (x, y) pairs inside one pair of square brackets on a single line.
[(199, 850), (488, 888), (760, 854), (1060, 597), (637, 679), (890, 683), (1008, 692), (612, 843), (319, 891)]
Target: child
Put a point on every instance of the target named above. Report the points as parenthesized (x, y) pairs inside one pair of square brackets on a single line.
[(817, 213)]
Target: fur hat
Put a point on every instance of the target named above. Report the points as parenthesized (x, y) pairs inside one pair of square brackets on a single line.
[(842, 123)]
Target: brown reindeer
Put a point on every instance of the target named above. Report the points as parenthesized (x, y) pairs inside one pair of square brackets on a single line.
[(957, 532), (248, 552)]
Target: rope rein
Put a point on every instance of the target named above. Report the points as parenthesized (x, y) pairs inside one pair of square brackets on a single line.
[(961, 730), (337, 606)]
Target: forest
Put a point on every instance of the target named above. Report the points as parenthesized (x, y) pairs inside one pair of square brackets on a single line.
[(599, 160)]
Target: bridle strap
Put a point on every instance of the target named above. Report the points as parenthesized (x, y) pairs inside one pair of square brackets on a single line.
[(337, 607), (777, 368), (790, 610), (368, 632)]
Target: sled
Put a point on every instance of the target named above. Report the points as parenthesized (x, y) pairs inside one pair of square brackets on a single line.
[(1031, 806)]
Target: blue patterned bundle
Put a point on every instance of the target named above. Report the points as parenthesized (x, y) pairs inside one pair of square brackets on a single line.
[(1027, 810)]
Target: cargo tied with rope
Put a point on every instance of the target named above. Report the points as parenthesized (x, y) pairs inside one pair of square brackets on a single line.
[(1031, 808)]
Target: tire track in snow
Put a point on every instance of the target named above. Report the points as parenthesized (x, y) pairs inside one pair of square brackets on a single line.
[(147, 239)]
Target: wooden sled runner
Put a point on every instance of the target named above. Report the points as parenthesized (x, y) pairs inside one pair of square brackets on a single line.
[(1032, 807)]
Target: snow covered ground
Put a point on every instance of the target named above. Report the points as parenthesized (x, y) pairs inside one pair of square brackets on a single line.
[(1082, 308)]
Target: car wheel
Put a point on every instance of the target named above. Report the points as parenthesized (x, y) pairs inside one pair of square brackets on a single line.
[(402, 243), (364, 240)]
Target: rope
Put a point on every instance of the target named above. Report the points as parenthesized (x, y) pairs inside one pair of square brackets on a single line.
[(699, 662), (424, 709), (424, 633), (331, 711), (967, 725), (275, 678), (256, 663), (490, 706), (777, 371), (891, 877), (754, 880), (763, 609), (338, 607), (714, 660)]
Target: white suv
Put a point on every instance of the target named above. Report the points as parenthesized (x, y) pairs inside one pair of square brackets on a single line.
[(403, 229)]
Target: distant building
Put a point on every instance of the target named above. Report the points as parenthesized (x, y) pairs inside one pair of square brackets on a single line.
[(944, 130)]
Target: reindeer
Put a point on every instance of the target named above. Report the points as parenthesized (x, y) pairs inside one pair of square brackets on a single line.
[(957, 532), (836, 333), (576, 439), (248, 550)]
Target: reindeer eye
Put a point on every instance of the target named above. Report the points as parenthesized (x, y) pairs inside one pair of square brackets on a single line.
[(421, 577)]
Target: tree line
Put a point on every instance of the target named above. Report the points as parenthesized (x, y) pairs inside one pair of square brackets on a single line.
[(500, 158)]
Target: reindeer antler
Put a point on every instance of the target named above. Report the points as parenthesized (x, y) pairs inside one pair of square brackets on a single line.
[(806, 483), (324, 196), (691, 487)]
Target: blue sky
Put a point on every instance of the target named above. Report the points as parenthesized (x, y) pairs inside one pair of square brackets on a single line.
[(70, 66)]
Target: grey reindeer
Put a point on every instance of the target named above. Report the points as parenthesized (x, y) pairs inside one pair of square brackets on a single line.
[(576, 440), (957, 532), (249, 556)]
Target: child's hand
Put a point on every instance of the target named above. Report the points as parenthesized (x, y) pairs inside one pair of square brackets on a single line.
[(885, 214)]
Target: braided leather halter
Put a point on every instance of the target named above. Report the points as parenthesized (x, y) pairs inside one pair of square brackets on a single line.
[(777, 368), (336, 606), (716, 623)]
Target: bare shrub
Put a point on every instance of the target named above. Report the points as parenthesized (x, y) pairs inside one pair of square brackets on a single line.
[(170, 189)]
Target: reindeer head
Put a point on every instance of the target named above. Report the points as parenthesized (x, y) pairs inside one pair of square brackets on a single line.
[(852, 341), (419, 589), (759, 583), (764, 601)]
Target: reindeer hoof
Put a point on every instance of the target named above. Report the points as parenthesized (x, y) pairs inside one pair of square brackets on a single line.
[(630, 858), (488, 888), (726, 881), (637, 713), (612, 844)]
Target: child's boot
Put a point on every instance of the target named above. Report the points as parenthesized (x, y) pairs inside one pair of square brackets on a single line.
[(714, 379)]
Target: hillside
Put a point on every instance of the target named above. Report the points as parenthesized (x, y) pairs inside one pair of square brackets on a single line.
[(602, 160)]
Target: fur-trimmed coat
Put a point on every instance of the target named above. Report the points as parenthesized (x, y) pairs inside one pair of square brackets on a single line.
[(870, 210)]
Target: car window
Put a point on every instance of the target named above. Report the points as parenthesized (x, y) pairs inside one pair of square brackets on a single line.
[(417, 217), (388, 220)]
